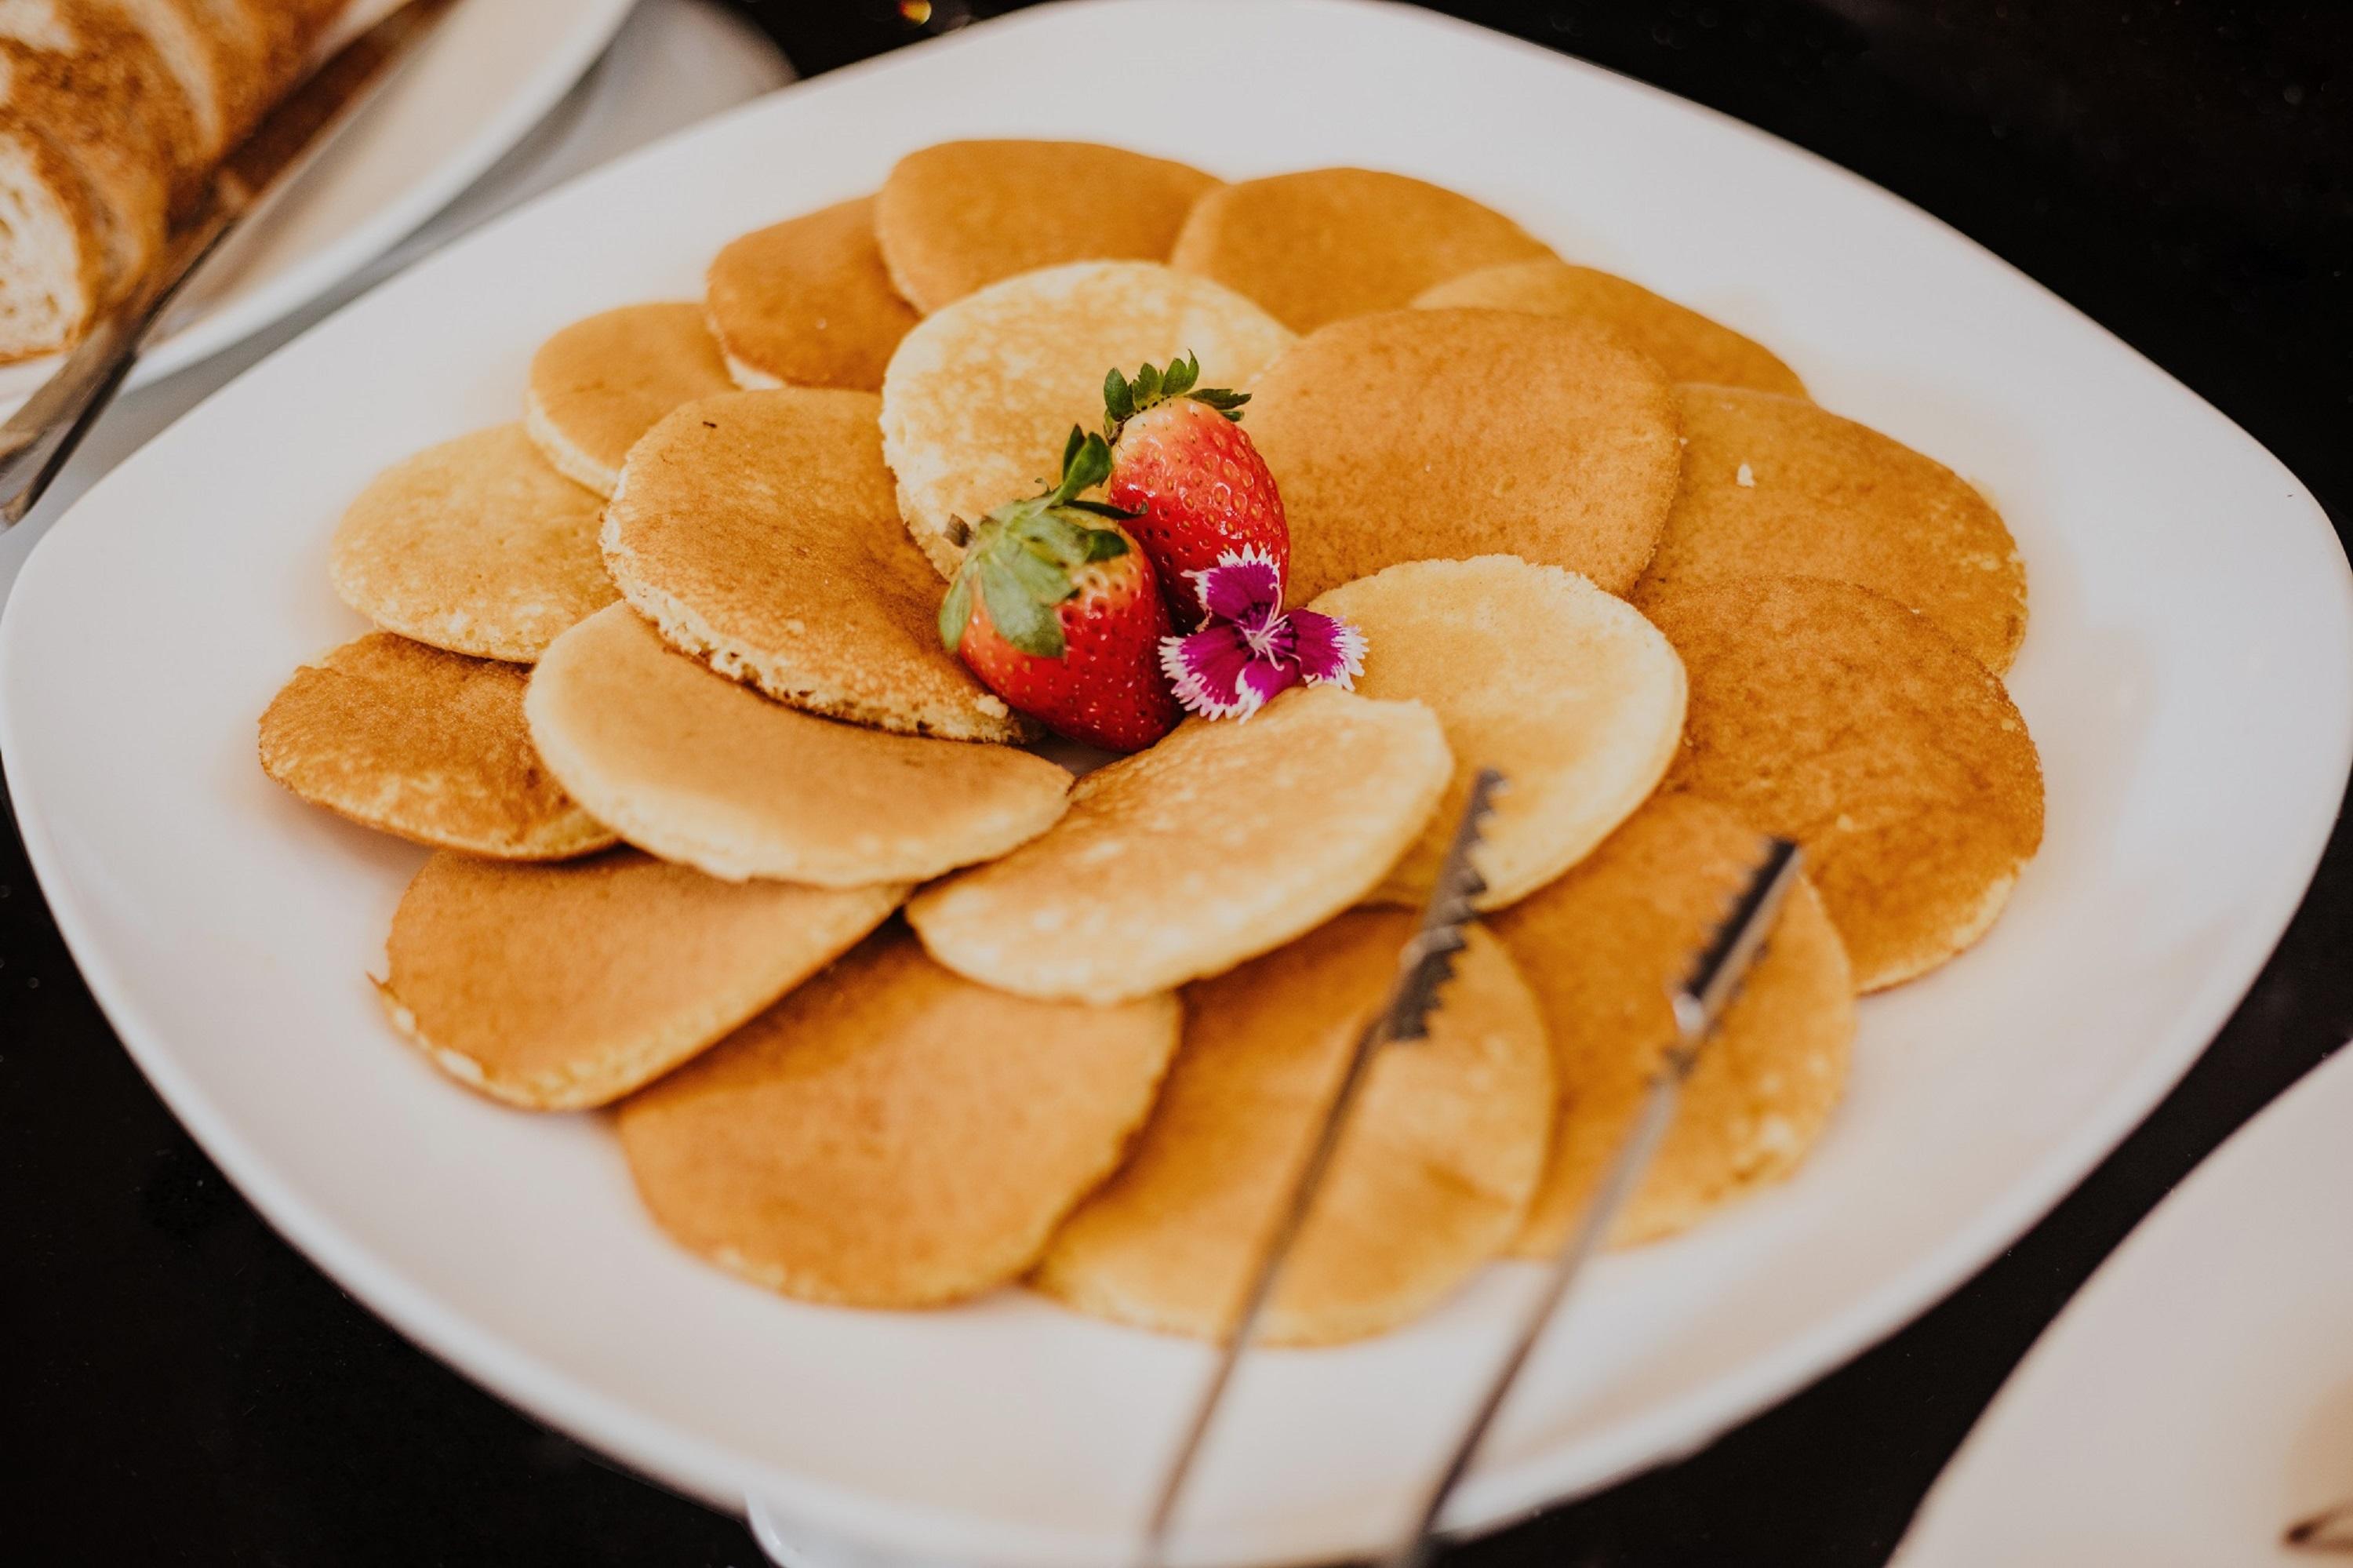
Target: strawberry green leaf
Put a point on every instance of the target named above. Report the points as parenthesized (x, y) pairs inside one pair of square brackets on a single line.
[(1070, 447), (1148, 385), (1105, 544), (1181, 375), (1019, 618), (1044, 580), (1086, 465), (1103, 508), (956, 610), (1119, 403)]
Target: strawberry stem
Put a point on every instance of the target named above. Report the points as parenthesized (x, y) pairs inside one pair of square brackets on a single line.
[(1125, 397)]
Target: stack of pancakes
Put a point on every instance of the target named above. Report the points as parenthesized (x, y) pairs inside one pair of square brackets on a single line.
[(892, 1007), (112, 113)]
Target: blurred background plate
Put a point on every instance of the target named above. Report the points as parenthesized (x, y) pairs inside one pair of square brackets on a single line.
[(488, 76), (2197, 1395)]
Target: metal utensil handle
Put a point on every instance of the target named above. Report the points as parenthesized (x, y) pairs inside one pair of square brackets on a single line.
[(1697, 1002), (1424, 964), (43, 433)]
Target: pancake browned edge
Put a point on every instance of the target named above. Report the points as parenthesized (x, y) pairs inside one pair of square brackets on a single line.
[(429, 746), (956, 217), (1431, 1178), (1827, 714), (891, 1135), (1602, 946), (562, 987)]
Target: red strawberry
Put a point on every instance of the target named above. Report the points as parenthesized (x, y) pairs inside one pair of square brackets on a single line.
[(1058, 613), (1198, 487)]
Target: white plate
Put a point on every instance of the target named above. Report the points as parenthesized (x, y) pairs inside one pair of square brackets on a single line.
[(487, 77), (2189, 676), (2198, 1396)]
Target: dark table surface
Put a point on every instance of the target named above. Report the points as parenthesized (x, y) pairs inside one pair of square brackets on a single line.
[(180, 1386)]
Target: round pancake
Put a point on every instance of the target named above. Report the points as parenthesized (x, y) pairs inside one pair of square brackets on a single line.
[(475, 546), (430, 746), (1431, 1178), (959, 216), (600, 383), (1827, 714), (891, 1135), (1777, 487), (1532, 670), (1602, 946), (1687, 346), (1416, 435), (807, 302), (758, 530), (1324, 244), (980, 397), (691, 767), (558, 987), (1223, 841)]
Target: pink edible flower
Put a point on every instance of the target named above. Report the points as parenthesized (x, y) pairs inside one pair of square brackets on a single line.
[(1250, 648)]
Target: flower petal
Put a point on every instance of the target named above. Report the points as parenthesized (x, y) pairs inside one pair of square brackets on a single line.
[(1327, 648), (1206, 667), (1243, 586), (1263, 679)]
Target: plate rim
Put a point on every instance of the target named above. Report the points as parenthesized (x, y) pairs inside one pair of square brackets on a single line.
[(1494, 1496)]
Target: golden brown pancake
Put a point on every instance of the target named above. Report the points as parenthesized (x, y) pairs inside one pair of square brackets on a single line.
[(959, 216), (477, 545), (1777, 487), (1416, 435), (557, 987), (694, 768), (1687, 344), (1827, 714), (758, 530), (1532, 670), (1431, 1178), (980, 397), (1223, 841), (430, 746), (807, 302), (1324, 244), (889, 1135), (600, 383), (1602, 946)]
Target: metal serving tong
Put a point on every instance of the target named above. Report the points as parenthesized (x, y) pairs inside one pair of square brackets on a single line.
[(1427, 962), (1698, 1001), (41, 435)]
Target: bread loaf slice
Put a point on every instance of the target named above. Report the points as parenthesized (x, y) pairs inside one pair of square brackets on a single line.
[(51, 262)]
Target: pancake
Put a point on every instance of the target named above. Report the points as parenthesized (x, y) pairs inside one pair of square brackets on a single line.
[(1324, 244), (1222, 842), (694, 768), (889, 1135), (980, 397), (1827, 714), (475, 546), (1416, 435), (807, 301), (959, 216), (758, 530), (1532, 670), (1687, 344), (1432, 1177), (555, 988), (429, 746), (1777, 487), (1602, 946), (600, 383)]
